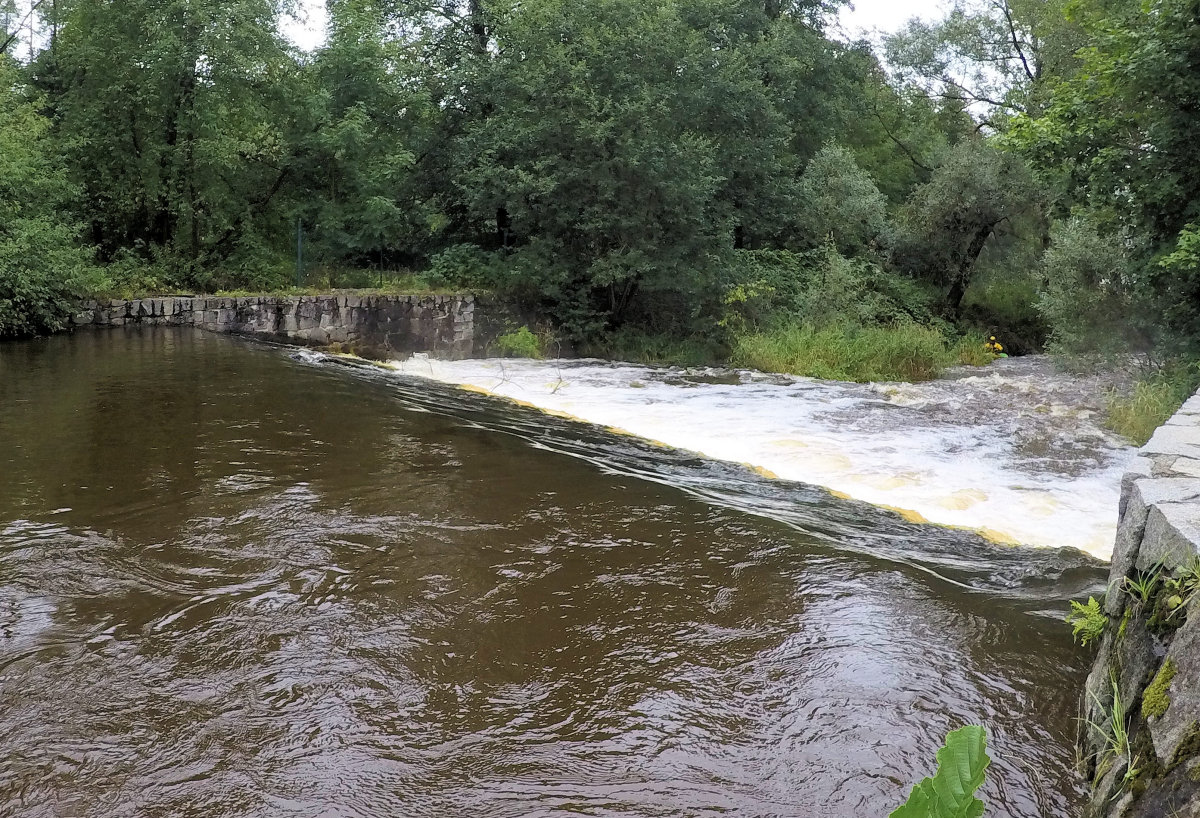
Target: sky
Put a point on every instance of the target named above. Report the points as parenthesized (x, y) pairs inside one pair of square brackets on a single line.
[(888, 15), (866, 16)]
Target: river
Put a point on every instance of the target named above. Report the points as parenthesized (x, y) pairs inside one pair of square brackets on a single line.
[(242, 580)]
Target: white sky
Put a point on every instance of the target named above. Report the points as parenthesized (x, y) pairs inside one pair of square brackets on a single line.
[(888, 15), (866, 17)]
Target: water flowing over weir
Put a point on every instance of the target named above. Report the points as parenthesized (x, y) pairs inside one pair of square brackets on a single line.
[(1012, 451), (240, 580)]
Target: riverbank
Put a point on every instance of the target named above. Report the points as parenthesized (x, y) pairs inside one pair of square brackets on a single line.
[(1141, 712)]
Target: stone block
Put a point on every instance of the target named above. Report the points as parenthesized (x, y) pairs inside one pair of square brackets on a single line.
[(1178, 724), (1171, 536), (1175, 440), (1186, 466), (1191, 406)]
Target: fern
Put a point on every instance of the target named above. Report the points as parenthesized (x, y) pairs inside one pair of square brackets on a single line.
[(1087, 621), (950, 793)]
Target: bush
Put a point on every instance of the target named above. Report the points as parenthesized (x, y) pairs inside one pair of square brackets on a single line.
[(1089, 303), (902, 352), (521, 343), (841, 201), (820, 287), (659, 348)]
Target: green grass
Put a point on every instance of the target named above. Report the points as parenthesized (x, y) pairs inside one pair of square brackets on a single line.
[(904, 352), (1152, 402), (658, 350)]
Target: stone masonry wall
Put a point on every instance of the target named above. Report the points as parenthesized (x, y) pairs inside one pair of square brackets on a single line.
[(373, 325), (1148, 666)]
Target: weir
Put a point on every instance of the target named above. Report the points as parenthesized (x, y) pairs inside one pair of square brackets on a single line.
[(1141, 708), (371, 325)]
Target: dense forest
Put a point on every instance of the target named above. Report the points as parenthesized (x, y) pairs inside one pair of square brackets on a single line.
[(724, 177)]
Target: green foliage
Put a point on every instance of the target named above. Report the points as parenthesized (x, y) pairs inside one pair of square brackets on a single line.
[(630, 344), (1142, 585), (1157, 699), (1114, 730), (520, 343), (1153, 400), (996, 56), (820, 287), (1087, 621), (177, 118), (950, 793), (43, 268), (902, 352), (839, 201), (948, 221), (1118, 138), (1089, 301)]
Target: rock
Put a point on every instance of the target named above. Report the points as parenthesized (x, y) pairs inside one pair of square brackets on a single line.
[(1172, 536)]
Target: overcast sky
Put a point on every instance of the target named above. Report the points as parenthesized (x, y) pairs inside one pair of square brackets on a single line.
[(888, 15), (867, 16)]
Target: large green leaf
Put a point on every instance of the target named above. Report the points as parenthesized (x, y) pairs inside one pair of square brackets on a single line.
[(950, 793)]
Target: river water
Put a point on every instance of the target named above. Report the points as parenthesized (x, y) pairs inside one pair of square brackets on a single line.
[(241, 580)]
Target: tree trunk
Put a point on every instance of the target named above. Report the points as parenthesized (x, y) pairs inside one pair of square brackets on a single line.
[(962, 276)]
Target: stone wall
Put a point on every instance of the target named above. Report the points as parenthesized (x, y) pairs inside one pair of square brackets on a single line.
[(1148, 664), (373, 325)]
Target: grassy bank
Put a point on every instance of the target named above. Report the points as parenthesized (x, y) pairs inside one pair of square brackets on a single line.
[(903, 352), (1152, 402)]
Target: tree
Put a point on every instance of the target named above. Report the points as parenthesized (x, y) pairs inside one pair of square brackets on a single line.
[(1119, 138), (43, 268), (995, 56), (175, 117), (838, 199), (947, 221)]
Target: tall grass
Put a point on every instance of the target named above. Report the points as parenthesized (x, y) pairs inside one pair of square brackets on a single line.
[(1152, 402), (658, 349), (902, 352)]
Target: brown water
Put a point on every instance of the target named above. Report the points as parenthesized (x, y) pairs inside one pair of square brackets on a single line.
[(238, 580)]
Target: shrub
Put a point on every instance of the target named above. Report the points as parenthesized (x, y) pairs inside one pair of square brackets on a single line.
[(521, 343), (819, 287), (841, 201), (902, 352), (1090, 303)]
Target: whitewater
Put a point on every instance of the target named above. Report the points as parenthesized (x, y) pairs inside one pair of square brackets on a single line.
[(1014, 451)]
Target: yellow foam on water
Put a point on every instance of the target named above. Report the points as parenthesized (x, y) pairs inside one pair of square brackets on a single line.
[(882, 482), (961, 500), (1043, 506), (994, 536), (830, 462), (909, 515), (790, 444)]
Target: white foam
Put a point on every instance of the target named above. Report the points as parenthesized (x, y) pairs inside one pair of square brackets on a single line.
[(926, 448)]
